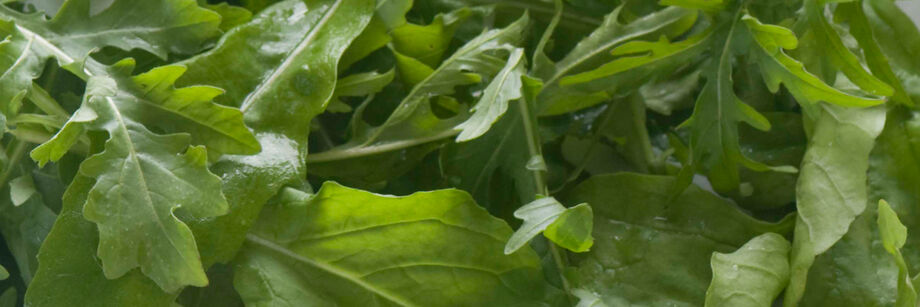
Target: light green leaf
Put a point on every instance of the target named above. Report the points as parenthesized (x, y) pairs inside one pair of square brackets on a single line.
[(141, 179), (641, 236), (428, 43), (594, 51), (642, 59), (4, 274), (777, 67), (567, 227), (711, 6), (894, 235), (572, 229), (395, 250), (587, 298), (231, 16), (21, 189), (751, 276), (506, 87), (831, 189)]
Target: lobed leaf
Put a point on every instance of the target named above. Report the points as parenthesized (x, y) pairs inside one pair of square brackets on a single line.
[(751, 276)]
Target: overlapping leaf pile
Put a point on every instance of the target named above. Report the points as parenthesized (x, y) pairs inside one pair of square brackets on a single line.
[(550, 153)]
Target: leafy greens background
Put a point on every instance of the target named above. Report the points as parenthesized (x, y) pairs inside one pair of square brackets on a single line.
[(459, 153)]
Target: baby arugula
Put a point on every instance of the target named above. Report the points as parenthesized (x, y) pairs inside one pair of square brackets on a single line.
[(249, 152)]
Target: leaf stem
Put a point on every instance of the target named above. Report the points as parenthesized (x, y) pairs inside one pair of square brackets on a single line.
[(533, 146), (45, 102), (19, 150), (362, 151)]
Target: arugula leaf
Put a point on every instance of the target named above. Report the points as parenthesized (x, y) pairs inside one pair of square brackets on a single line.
[(248, 181), (140, 182), (24, 227), (831, 188), (637, 246), (568, 227), (777, 67), (894, 235), (751, 276), (595, 50), (505, 88), (860, 28), (837, 54), (503, 157), (714, 124), (69, 272), (376, 258)]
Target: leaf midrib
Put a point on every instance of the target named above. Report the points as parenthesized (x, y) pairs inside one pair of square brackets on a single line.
[(254, 239), (132, 153), (293, 55)]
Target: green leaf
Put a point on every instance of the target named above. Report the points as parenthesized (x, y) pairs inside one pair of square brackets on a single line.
[(499, 158), (567, 227), (70, 273), (638, 60), (8, 298), (300, 66), (427, 249), (313, 34), (894, 172), (159, 27), (21, 189), (714, 124), (362, 84), (878, 63), (473, 61), (642, 236), (831, 188), (896, 32), (572, 229), (777, 67), (358, 85), (834, 51), (428, 43), (505, 88), (141, 180), (894, 235), (413, 122), (595, 50), (751, 276), (4, 274), (24, 227), (857, 270), (711, 6), (231, 16)]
